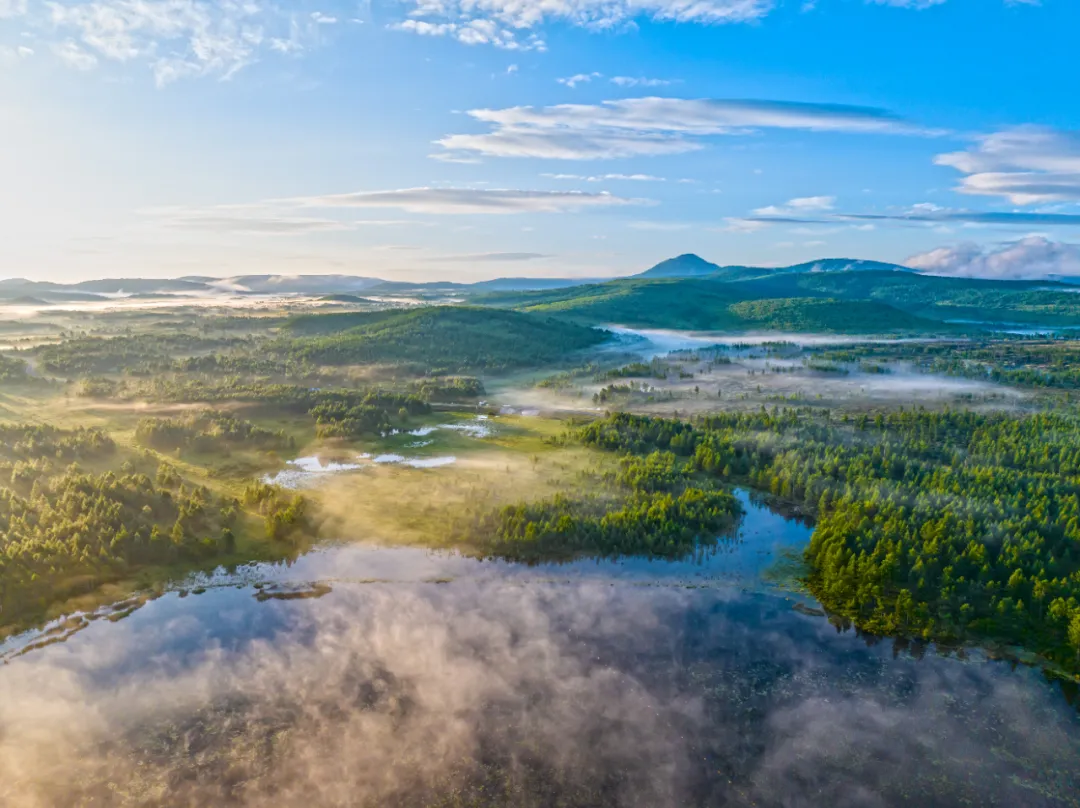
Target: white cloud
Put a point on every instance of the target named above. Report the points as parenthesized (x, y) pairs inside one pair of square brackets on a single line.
[(800, 205), (1032, 258), (472, 32), (273, 218), (580, 78), (445, 157), (12, 8), (457, 201), (606, 177), (653, 126), (737, 225), (11, 55), (502, 20), (628, 81), (174, 39), (1025, 165), (73, 56), (221, 222)]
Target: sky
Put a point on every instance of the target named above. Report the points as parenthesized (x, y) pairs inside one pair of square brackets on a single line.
[(471, 139)]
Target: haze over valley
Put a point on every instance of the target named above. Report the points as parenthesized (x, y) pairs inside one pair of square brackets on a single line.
[(579, 404)]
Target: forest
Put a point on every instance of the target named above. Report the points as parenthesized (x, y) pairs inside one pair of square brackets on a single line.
[(436, 340), (1039, 363), (864, 300), (67, 528), (656, 508), (953, 526), (207, 431)]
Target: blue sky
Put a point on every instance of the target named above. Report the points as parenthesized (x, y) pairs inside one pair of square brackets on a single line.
[(430, 139)]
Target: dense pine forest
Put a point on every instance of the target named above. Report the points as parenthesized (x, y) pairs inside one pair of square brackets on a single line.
[(942, 525), (69, 527)]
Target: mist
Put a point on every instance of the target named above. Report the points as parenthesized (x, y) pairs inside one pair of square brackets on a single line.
[(494, 693)]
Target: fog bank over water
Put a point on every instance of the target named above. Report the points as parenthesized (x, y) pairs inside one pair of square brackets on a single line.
[(499, 692)]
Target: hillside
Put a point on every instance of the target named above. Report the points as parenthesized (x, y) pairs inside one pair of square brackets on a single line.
[(934, 297), (437, 339), (905, 300), (711, 304)]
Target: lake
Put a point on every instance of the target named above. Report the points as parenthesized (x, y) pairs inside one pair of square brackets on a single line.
[(361, 675)]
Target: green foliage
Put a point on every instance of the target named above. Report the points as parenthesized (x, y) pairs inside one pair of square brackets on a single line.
[(137, 355), (373, 414), (64, 531), (945, 525), (206, 431), (13, 370), (441, 339), (448, 388), (662, 512), (1047, 363), (865, 301), (287, 517)]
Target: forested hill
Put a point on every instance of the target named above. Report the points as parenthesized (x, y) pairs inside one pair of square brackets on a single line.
[(705, 304), (873, 301), (437, 338)]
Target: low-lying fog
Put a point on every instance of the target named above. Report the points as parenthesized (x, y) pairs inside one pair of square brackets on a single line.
[(650, 343), (486, 692)]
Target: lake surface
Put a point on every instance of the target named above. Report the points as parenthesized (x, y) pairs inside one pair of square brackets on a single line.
[(362, 675)]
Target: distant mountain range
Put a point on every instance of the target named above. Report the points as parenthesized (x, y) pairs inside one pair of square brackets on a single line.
[(694, 266), (684, 267)]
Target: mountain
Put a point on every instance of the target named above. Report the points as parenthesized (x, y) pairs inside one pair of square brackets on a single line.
[(845, 265), (293, 284), (682, 266), (119, 286), (529, 284), (837, 295)]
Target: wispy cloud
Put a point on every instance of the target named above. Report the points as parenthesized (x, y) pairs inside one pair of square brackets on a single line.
[(654, 126), (499, 22), (629, 81), (174, 39), (799, 205), (259, 219), (73, 56), (606, 177), (922, 213), (458, 201), (1025, 165), (580, 78)]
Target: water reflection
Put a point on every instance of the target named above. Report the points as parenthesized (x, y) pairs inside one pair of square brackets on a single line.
[(398, 677)]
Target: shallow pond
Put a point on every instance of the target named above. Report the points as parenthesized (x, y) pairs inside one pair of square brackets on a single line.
[(362, 675)]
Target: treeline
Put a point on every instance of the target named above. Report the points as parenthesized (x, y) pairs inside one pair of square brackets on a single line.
[(136, 355), (14, 370), (65, 530), (659, 511), (1028, 363), (943, 525), (448, 388), (207, 431), (287, 517), (374, 413)]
